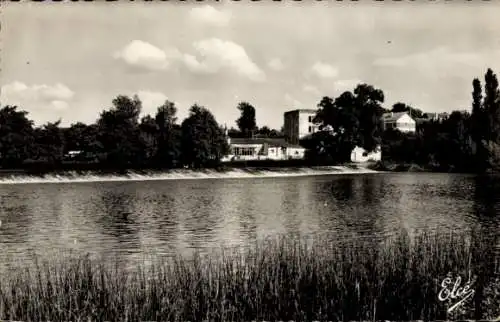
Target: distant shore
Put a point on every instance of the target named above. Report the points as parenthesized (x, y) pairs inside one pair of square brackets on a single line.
[(391, 166), (281, 167)]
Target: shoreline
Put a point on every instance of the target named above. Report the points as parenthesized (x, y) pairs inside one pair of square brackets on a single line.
[(182, 174)]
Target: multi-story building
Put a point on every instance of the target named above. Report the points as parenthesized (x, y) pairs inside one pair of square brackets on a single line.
[(298, 124), (400, 121)]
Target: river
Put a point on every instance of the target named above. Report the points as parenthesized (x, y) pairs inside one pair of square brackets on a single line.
[(129, 220)]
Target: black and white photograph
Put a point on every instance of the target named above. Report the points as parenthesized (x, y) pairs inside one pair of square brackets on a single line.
[(250, 160)]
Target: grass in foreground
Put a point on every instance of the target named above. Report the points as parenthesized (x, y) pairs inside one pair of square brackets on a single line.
[(283, 279)]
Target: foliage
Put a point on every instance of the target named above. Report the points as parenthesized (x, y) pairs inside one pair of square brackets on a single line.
[(49, 144), (246, 123), (353, 119), (118, 132), (286, 279), (16, 136), (169, 134), (402, 107), (124, 138), (203, 140)]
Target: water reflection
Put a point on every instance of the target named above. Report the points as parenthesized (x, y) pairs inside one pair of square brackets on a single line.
[(12, 206), (130, 219)]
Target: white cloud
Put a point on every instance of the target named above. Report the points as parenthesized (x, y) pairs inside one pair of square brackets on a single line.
[(324, 70), (276, 64), (143, 55), (151, 100), (210, 15), (216, 54), (36, 96), (210, 56)]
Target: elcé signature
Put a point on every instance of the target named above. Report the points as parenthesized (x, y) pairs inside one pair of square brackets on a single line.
[(453, 290)]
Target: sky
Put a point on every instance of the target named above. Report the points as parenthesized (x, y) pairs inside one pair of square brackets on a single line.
[(69, 60)]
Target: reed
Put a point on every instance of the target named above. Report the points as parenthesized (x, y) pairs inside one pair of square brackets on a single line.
[(280, 279)]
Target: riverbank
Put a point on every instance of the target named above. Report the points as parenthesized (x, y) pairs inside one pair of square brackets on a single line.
[(182, 174), (388, 166), (398, 279)]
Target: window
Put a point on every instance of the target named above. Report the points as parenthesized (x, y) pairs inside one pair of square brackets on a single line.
[(310, 119), (365, 154), (310, 129), (243, 151)]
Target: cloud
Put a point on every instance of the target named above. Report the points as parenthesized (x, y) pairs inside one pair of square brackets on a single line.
[(143, 55), (151, 100), (276, 64), (36, 96), (216, 54), (324, 70), (210, 56), (210, 15)]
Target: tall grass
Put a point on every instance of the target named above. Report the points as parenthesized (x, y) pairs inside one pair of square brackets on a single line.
[(282, 279)]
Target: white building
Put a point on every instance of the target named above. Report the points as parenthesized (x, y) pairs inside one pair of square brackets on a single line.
[(359, 154), (251, 149), (400, 121), (298, 124)]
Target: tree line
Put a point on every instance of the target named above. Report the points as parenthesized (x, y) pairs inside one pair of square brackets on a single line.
[(466, 142), (121, 139)]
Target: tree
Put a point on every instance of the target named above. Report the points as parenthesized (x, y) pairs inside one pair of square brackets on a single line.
[(492, 106), (169, 133), (246, 123), (119, 132), (477, 120), (81, 137), (339, 115), (148, 137), (459, 145), (16, 136), (49, 144), (203, 140), (265, 131), (402, 107), (369, 112), (268, 132)]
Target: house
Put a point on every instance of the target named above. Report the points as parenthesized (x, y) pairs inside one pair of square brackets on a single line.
[(251, 149), (436, 116), (359, 154), (400, 121), (298, 124)]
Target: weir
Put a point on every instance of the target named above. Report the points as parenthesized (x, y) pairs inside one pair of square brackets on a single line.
[(76, 177)]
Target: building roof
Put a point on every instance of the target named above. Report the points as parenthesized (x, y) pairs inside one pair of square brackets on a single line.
[(304, 110), (270, 141), (393, 116)]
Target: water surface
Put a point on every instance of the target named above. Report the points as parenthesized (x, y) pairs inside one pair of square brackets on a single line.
[(128, 220)]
